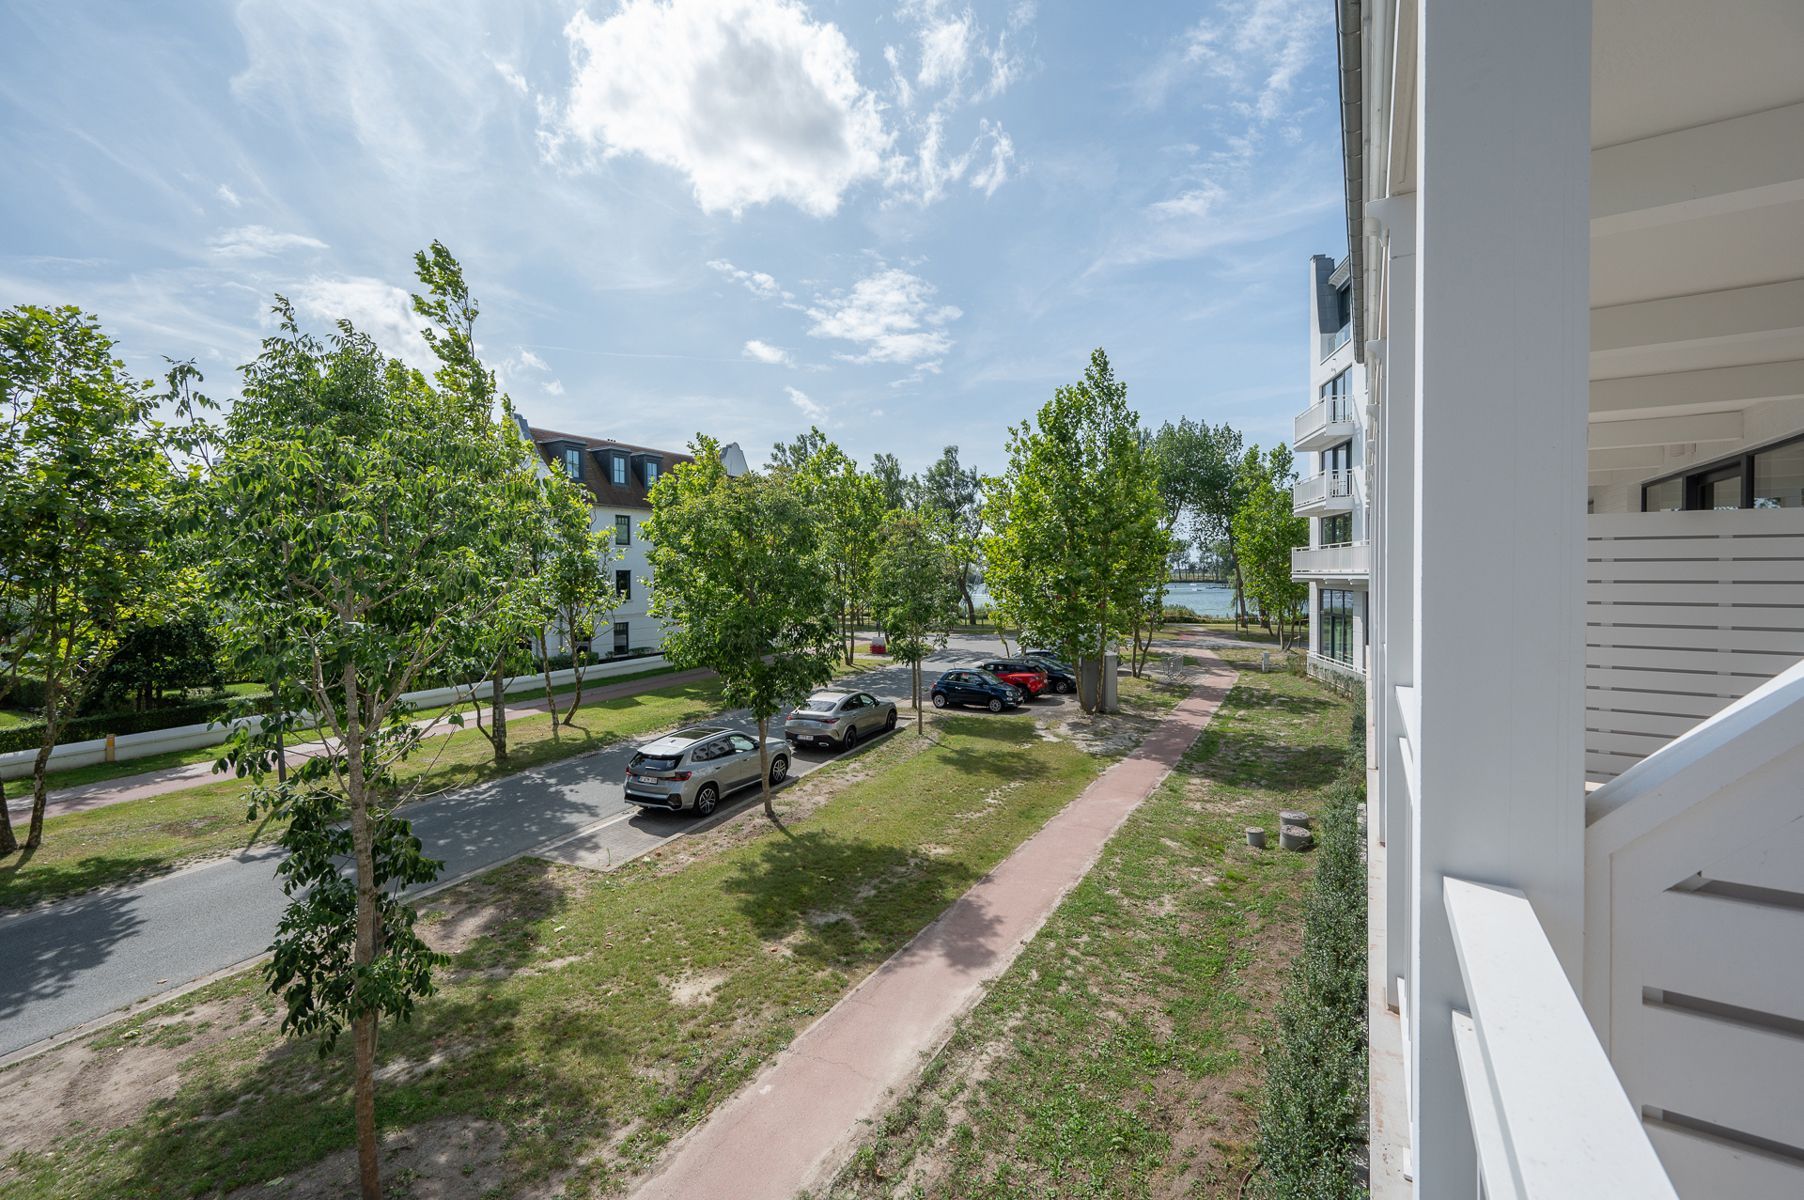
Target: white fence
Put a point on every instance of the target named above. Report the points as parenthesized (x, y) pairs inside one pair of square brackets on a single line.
[(17, 764), (1694, 936), (1685, 612)]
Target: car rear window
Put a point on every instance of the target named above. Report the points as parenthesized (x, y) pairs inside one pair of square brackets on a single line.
[(655, 762), (826, 705)]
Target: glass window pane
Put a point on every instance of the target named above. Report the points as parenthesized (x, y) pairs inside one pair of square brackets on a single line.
[(1779, 477), (1720, 490), (1666, 496)]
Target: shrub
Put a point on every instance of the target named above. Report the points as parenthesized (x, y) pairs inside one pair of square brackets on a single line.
[(1312, 1129), (29, 735)]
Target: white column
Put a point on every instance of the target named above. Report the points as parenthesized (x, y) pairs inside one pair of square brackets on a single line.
[(1502, 337)]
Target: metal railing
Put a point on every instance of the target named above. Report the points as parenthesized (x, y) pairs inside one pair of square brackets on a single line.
[(1320, 489), (1329, 411), (1351, 558), (1549, 1115)]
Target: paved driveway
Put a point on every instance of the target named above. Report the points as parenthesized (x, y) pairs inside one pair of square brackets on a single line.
[(85, 958)]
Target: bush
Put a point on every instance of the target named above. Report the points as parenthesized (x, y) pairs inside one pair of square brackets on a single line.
[(30, 735), (1312, 1129)]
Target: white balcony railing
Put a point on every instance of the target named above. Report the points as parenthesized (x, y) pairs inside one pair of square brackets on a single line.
[(1332, 417), (1331, 491), (1549, 1116), (1353, 559)]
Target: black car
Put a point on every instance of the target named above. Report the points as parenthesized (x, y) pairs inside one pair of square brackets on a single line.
[(967, 686), (1060, 677)]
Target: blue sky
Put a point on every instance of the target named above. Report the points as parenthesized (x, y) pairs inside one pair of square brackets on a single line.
[(906, 224)]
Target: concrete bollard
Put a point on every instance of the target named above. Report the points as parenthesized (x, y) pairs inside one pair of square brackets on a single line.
[(1295, 837), (1291, 816), (1255, 837)]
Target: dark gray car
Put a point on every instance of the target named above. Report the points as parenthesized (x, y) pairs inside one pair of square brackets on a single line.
[(693, 768), (838, 719)]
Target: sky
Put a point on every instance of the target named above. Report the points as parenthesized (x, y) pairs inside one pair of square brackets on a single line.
[(906, 224)]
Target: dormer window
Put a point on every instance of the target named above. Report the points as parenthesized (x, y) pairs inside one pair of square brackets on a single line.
[(573, 462), (619, 470), (651, 473)]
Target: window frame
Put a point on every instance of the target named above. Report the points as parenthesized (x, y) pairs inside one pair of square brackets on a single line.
[(617, 470), (573, 463), (1693, 478), (623, 584), (623, 529)]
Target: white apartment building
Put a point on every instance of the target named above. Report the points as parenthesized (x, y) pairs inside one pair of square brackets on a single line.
[(1576, 235), (1330, 443)]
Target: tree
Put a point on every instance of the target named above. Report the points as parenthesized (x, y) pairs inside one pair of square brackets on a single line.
[(740, 586), (847, 508), (1072, 517), (1265, 530), (578, 592), (177, 654), (915, 588), (84, 489), (789, 456), (362, 526), (899, 490), (956, 493), (1212, 456)]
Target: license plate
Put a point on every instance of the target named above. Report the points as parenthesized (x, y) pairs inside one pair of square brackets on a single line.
[(647, 779)]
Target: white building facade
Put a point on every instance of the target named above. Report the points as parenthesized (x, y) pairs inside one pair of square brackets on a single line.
[(1330, 443), (1576, 240)]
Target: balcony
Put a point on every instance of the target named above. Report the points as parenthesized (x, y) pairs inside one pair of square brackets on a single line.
[(1325, 424), (1351, 560), (1323, 495)]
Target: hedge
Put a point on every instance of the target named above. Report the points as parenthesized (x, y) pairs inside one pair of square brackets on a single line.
[(1312, 1130), (30, 735)]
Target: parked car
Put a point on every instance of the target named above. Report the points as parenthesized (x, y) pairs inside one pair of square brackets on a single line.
[(838, 719), (1059, 674), (969, 686), (1027, 676), (693, 768)]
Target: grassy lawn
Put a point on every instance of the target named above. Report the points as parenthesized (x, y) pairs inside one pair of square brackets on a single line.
[(1119, 1057), (135, 838), (587, 1018)]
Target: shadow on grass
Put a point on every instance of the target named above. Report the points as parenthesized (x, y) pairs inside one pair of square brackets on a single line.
[(1247, 757)]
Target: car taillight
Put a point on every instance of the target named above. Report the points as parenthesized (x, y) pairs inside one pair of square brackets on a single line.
[(829, 720), (681, 776)]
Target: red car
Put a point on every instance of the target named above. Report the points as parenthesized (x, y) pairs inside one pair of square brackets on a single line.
[(1024, 675)]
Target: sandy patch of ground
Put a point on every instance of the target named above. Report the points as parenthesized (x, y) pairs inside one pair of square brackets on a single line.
[(695, 988)]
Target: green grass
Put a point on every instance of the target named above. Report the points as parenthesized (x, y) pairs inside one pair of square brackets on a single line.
[(135, 838), (562, 1021), (1119, 1056)]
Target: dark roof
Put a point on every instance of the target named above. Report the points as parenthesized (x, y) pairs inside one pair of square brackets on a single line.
[(596, 476)]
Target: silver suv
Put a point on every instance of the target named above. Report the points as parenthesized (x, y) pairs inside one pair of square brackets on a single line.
[(694, 768)]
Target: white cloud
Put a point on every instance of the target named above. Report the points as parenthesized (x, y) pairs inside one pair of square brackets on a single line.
[(945, 50), (752, 100), (757, 283), (380, 309), (891, 316), (764, 352), (529, 359), (809, 409), (1255, 49), (226, 194), (555, 387), (994, 173), (259, 241), (512, 74)]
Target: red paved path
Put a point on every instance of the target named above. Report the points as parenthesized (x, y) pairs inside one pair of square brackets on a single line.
[(791, 1128), (175, 779)]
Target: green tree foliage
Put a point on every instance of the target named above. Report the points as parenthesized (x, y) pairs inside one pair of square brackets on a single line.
[(737, 562), (84, 491), (363, 527), (1265, 532), (956, 493), (846, 508), (915, 591), (1201, 486), (178, 655), (578, 594), (898, 489), (1074, 537), (1312, 1133)]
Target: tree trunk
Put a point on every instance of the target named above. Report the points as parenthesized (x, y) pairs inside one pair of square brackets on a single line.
[(363, 1024), (9, 841), (545, 669), (1240, 584), (970, 604), (764, 767), (915, 677), (498, 710), (34, 835)]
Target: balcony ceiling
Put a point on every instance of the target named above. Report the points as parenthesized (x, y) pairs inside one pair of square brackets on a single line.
[(1697, 250)]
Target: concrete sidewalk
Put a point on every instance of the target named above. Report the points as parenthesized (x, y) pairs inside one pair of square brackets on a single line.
[(63, 801), (793, 1125)]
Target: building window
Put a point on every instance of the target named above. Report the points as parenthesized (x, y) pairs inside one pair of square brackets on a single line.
[(622, 636), (1337, 625), (1779, 476), (623, 531), (1718, 490), (573, 463), (623, 583), (651, 473), (1337, 530), (1337, 458), (1666, 496), (619, 471), (1340, 385)]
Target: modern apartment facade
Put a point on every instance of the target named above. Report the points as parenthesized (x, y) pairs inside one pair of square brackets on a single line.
[(1578, 298), (1329, 440)]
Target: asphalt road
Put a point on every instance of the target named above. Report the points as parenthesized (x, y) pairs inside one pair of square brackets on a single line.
[(83, 959)]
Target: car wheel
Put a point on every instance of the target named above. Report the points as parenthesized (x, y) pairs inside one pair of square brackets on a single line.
[(939, 700), (889, 722), (1062, 688), (779, 769), (850, 739), (995, 705), (706, 799)]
